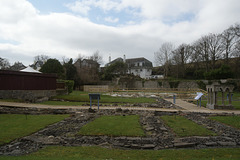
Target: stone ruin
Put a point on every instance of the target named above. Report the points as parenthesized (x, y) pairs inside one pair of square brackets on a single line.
[(212, 99), (158, 134)]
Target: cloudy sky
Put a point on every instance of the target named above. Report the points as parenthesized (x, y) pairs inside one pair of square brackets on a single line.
[(136, 28)]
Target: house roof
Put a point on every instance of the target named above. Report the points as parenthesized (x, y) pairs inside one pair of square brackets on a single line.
[(146, 62), (90, 61)]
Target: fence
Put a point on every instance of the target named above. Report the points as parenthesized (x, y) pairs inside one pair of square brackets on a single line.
[(96, 88), (15, 80)]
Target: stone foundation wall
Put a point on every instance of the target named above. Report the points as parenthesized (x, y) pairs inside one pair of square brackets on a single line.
[(27, 95), (161, 84), (187, 84), (158, 135)]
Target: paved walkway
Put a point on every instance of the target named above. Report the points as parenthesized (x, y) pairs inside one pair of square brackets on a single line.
[(194, 108), (32, 105), (187, 107)]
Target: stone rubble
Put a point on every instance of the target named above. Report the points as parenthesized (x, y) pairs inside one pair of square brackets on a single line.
[(158, 135)]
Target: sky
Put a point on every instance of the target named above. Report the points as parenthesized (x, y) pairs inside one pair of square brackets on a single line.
[(135, 28)]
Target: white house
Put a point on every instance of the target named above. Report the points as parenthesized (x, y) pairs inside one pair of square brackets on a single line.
[(136, 66)]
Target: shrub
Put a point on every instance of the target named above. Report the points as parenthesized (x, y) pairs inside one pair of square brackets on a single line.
[(223, 72), (174, 84), (201, 85), (160, 83), (70, 84)]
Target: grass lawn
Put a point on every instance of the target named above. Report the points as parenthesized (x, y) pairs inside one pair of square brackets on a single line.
[(114, 126), (185, 128), (98, 153), (63, 103), (233, 121), (14, 126), (236, 104), (235, 101)]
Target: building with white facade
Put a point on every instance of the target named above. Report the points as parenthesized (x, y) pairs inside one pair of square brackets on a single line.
[(136, 66)]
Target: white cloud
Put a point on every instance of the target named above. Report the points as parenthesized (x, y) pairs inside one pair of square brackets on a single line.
[(84, 6), (65, 34), (79, 7), (111, 19)]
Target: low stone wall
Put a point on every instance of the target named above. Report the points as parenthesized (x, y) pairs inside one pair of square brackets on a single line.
[(96, 88), (158, 134), (27, 95), (162, 84), (188, 84)]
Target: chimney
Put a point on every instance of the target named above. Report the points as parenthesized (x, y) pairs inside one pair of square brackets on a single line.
[(124, 58), (109, 59)]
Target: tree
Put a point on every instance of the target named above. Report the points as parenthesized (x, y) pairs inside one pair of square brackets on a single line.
[(229, 40), (53, 66), (70, 69), (237, 30), (164, 55), (4, 63), (209, 48), (17, 66), (117, 68), (181, 56), (39, 61), (236, 51), (96, 57), (215, 48), (223, 72)]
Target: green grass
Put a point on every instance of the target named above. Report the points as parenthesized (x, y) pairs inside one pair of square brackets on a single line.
[(236, 96), (63, 103), (114, 126), (233, 121), (98, 153), (183, 127), (14, 126), (236, 104)]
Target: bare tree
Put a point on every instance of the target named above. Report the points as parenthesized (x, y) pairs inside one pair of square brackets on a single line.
[(39, 61), (17, 66), (236, 50), (210, 48), (215, 48), (4, 63), (164, 55), (181, 57), (96, 57), (80, 57), (237, 29), (65, 60), (201, 53), (229, 40)]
